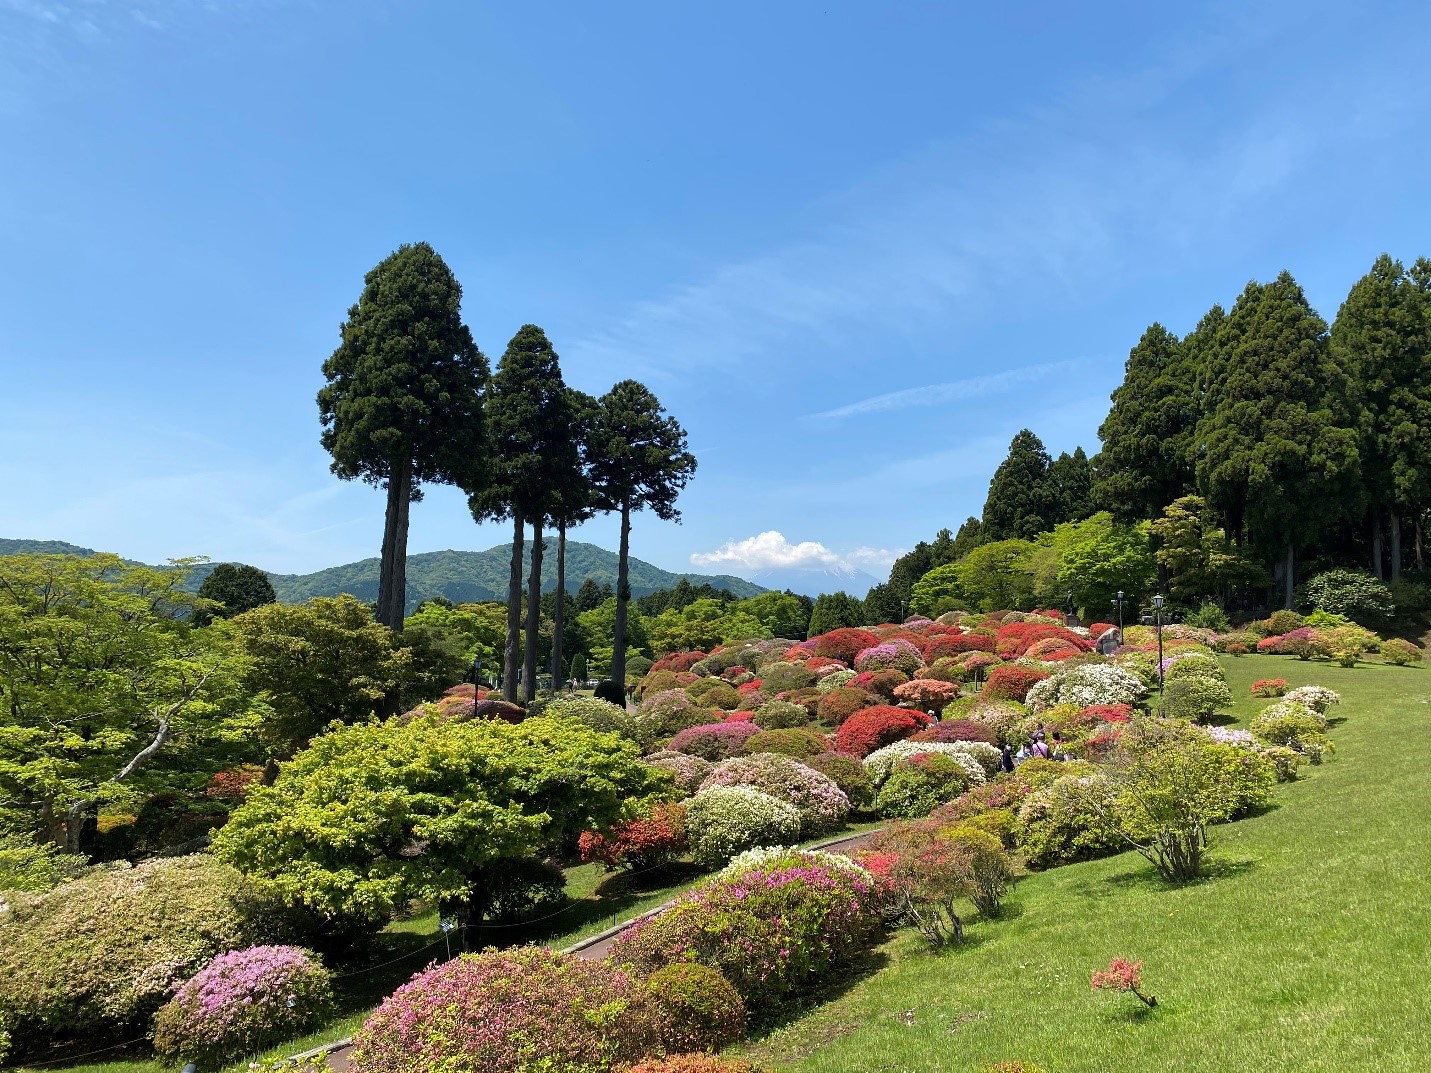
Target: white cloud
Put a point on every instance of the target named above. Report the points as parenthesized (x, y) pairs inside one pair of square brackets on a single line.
[(771, 551), (954, 390)]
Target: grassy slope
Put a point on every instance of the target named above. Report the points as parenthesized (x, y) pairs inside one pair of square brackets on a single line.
[(1307, 950)]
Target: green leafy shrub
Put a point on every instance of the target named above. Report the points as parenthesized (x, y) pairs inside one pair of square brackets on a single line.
[(523, 1010), (1193, 665), (1064, 821), (848, 774), (1352, 593), (781, 677), (697, 1009), (696, 1063), (1400, 653), (723, 820), (600, 715), (780, 715), (1284, 621), (799, 743), (27, 865), (242, 1000), (1207, 616), (106, 950), (1195, 698), (670, 712), (920, 784), (1294, 725), (714, 693)]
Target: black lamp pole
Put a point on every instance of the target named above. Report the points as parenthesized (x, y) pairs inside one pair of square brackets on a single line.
[(1119, 604), (1158, 622)]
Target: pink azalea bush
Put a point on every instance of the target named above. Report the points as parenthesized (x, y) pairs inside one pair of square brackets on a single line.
[(822, 805), (523, 1010), (771, 927), (1122, 975), (713, 741), (241, 1000), (898, 655)]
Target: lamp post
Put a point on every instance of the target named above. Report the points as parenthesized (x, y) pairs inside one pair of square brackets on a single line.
[(1118, 603), (476, 679), (1158, 623)]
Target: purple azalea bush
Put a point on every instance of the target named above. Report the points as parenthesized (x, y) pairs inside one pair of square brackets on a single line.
[(243, 1000), (713, 741)]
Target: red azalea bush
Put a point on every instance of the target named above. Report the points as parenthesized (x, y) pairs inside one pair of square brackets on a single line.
[(1269, 687), (844, 644), (714, 741), (927, 694), (1108, 713), (740, 717), (1014, 639), (1053, 650), (639, 844), (956, 644), (523, 1010), (839, 704), (233, 783), (1098, 629), (821, 665), (1011, 682), (957, 730), (872, 728), (882, 683), (774, 927), (677, 661)]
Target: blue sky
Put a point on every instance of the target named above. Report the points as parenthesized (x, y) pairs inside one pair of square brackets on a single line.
[(853, 247)]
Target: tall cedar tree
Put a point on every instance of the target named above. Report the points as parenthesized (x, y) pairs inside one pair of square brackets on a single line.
[(638, 460), (966, 539), (907, 569), (1382, 336), (881, 605), (572, 502), (1072, 476), (834, 610), (529, 438), (234, 588), (1277, 441), (1146, 461), (403, 402), (1023, 501)]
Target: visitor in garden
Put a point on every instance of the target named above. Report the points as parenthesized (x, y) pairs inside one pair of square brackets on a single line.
[(1006, 758), (1039, 749), (1058, 750)]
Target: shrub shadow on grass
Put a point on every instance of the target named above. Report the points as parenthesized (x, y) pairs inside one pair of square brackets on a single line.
[(1132, 1015), (763, 1026)]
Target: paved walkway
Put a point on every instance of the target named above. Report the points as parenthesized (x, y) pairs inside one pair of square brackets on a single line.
[(593, 948)]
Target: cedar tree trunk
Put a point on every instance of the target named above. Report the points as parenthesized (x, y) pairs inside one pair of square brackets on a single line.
[(534, 616), (623, 594), (511, 657), (392, 570), (559, 615)]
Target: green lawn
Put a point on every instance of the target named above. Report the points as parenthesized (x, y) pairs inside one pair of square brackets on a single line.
[(1309, 948)]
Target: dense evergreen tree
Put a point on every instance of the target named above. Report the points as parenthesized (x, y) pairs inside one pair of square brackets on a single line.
[(234, 588), (1023, 500), (1072, 476), (403, 402), (1146, 461), (967, 539), (1277, 442), (882, 605), (590, 595), (909, 568), (638, 460), (834, 610), (1382, 337)]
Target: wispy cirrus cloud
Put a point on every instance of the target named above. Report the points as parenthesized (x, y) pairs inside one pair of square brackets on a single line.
[(972, 387)]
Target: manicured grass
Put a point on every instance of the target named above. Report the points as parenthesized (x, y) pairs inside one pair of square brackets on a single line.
[(1306, 950)]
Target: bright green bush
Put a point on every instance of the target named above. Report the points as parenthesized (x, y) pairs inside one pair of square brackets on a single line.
[(714, 693), (721, 821), (1065, 821), (27, 865), (1194, 665), (920, 784), (1400, 653), (781, 715), (697, 1009), (799, 743), (1195, 698), (1358, 596), (106, 950), (780, 677), (599, 715), (1294, 725)]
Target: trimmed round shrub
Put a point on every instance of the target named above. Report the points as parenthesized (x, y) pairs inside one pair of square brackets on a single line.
[(702, 1063), (920, 784), (780, 715), (881, 683), (714, 693), (799, 743), (779, 925), (927, 694), (894, 655), (669, 712), (958, 730), (524, 1010), (843, 644), (643, 843), (782, 677), (821, 804), (839, 704), (1358, 596), (714, 741), (834, 680), (697, 1009), (723, 820), (689, 771), (1318, 698), (1284, 621), (1011, 682), (870, 728), (1004, 718), (1400, 653), (1269, 687), (1088, 684), (1192, 665), (678, 661), (108, 949), (600, 715), (1294, 725), (977, 758), (1063, 821), (848, 774), (242, 1000), (1195, 698)]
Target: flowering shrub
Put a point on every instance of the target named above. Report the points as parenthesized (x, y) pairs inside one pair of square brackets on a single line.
[(695, 1063), (232, 783), (714, 693), (669, 712), (1087, 684), (821, 804), (799, 743), (1270, 646), (869, 728), (1016, 638), (723, 820), (957, 730), (1053, 650), (1318, 698), (678, 661), (833, 680), (896, 655), (880, 683), (642, 843), (1285, 761), (848, 774), (241, 1000), (1192, 665), (713, 741), (843, 644), (921, 783), (1269, 687), (1122, 975), (780, 715), (955, 644), (780, 677), (1011, 682), (689, 771), (1064, 821), (977, 758), (1400, 653), (1195, 697), (499, 709), (523, 1010), (770, 929), (1292, 724), (1003, 718), (696, 1008), (839, 704), (927, 694)]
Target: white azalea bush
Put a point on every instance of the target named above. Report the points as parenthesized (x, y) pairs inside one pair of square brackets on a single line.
[(1318, 698), (978, 758), (721, 821), (1086, 684)]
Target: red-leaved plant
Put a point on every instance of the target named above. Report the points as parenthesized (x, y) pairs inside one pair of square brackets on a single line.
[(1122, 975)]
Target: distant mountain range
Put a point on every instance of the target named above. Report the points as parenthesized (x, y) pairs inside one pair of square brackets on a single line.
[(814, 580), (460, 576)]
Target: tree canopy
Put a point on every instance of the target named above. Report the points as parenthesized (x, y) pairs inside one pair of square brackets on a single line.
[(1023, 500), (233, 589)]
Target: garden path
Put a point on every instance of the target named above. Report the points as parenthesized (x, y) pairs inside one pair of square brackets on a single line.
[(592, 949)]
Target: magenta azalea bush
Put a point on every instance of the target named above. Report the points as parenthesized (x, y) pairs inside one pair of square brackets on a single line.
[(822, 805), (713, 741), (897, 655), (524, 1010), (771, 929), (242, 1000)]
